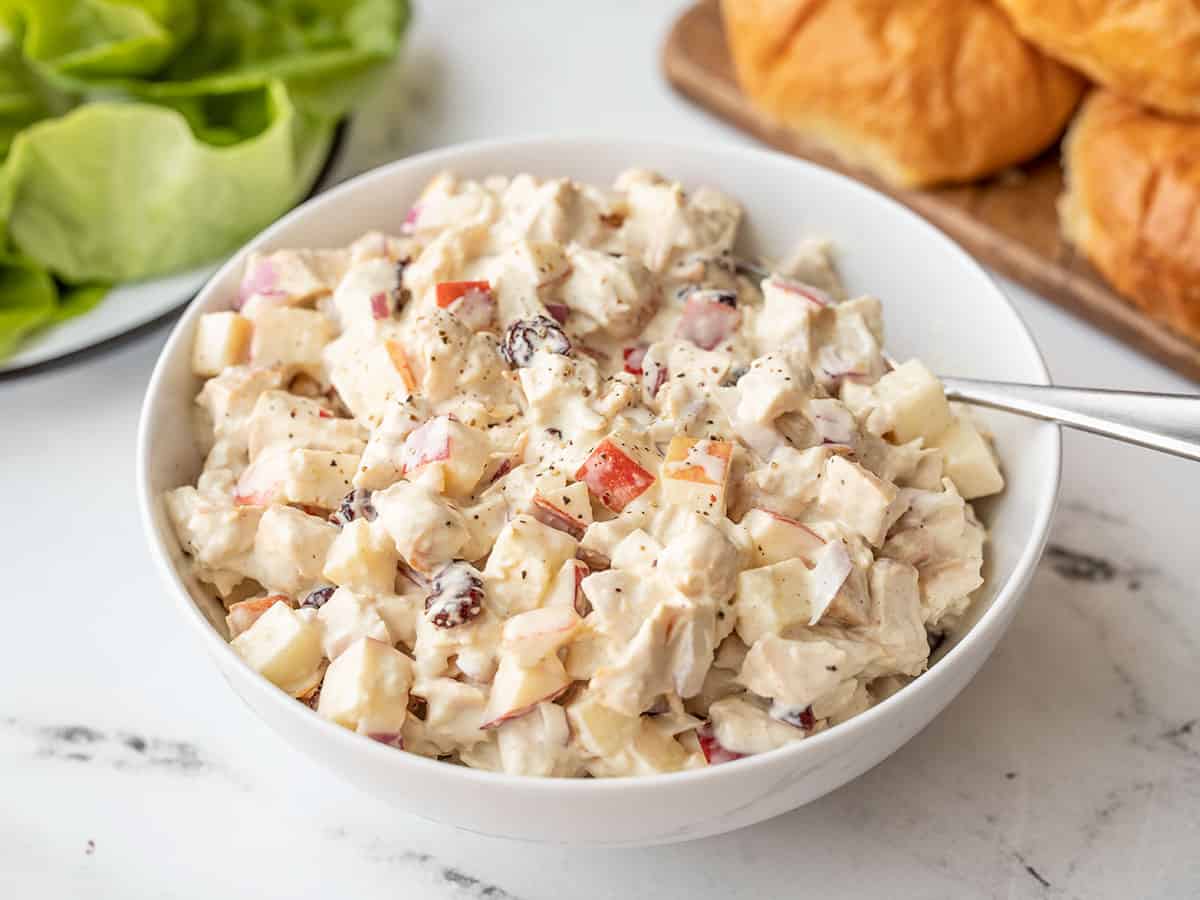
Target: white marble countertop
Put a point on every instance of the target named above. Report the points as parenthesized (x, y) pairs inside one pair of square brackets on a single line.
[(1070, 767)]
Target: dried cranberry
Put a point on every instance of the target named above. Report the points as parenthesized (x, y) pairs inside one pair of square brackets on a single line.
[(355, 505), (318, 598), (457, 595), (525, 337)]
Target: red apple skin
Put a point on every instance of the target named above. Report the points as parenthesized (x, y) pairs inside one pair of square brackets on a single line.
[(449, 291), (428, 443), (633, 357), (612, 477), (554, 517), (714, 752), (517, 713)]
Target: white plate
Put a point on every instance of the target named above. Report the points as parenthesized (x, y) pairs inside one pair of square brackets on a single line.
[(122, 309)]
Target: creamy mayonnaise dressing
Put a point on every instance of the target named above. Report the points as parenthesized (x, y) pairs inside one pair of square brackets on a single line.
[(553, 483)]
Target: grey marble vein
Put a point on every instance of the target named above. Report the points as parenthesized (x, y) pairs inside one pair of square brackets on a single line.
[(116, 749), (463, 883)]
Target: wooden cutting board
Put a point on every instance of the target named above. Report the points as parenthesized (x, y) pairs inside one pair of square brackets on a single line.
[(1008, 222)]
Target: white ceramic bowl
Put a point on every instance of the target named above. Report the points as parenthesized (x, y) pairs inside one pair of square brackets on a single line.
[(939, 305)]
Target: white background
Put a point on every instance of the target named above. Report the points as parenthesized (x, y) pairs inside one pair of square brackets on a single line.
[(1070, 755)]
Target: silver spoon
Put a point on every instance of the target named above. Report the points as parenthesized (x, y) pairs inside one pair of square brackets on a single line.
[(1166, 422)]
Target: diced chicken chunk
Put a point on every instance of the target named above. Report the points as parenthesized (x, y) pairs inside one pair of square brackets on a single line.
[(427, 531), (851, 494)]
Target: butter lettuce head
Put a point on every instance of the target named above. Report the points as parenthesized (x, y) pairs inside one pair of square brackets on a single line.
[(140, 137), (143, 195)]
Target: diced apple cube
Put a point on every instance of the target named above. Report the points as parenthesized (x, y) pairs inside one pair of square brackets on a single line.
[(695, 474), (742, 728), (284, 647), (654, 751), (572, 499), (851, 494), (426, 530), (290, 547), (400, 613), (516, 689), (245, 613), (599, 730), (532, 636), (615, 472), (524, 562), (460, 453), (567, 509), (222, 340), (292, 338), (776, 537), (969, 461), (345, 617), (314, 478), (366, 689), (288, 277), (915, 402), (363, 558), (283, 419), (566, 588), (772, 598), (537, 743)]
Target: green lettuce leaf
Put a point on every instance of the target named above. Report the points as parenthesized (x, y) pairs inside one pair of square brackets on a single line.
[(140, 137), (325, 49), (28, 300), (119, 191), (101, 38)]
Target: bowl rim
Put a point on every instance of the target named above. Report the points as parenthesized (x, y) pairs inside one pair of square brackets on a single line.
[(960, 655)]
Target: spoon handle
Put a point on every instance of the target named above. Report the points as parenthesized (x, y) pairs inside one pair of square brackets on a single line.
[(1166, 422)]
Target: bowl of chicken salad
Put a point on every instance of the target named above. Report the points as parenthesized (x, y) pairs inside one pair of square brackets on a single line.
[(595, 492)]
